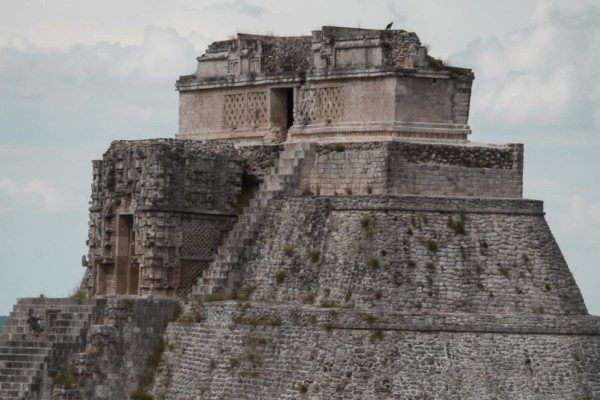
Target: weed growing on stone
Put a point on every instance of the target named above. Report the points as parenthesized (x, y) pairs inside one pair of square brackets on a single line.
[(457, 226), (314, 256), (288, 251), (141, 395), (339, 147), (348, 295), (329, 304), (411, 263), (302, 387), (234, 362), (369, 318), (327, 326), (280, 276), (307, 192), (432, 245), (193, 316), (348, 190), (377, 295), (66, 379), (503, 271), (430, 266), (212, 364), (373, 263), (367, 222), (177, 311), (376, 335)]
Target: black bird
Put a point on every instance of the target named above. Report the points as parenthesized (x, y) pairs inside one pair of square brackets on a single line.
[(387, 28)]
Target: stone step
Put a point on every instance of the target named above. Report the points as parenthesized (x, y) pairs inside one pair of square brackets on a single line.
[(284, 178)]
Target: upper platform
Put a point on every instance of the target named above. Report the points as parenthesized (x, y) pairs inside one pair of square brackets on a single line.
[(337, 84)]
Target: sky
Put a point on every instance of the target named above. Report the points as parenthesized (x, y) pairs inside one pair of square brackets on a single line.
[(77, 74)]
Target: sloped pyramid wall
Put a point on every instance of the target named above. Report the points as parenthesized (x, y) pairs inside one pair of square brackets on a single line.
[(387, 297)]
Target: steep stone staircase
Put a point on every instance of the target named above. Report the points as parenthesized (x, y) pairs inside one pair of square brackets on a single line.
[(222, 274), (26, 357)]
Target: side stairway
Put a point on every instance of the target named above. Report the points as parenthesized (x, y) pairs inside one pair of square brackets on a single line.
[(40, 333), (223, 273)]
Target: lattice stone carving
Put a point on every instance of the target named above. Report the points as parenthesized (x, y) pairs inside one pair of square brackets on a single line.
[(245, 110), (320, 105), (190, 271), (198, 238)]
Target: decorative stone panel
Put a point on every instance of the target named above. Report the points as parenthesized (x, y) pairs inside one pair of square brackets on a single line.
[(245, 110), (320, 105)]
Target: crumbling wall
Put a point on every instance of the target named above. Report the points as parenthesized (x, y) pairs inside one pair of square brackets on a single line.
[(243, 351), (178, 199), (118, 359), (416, 254), (416, 168)]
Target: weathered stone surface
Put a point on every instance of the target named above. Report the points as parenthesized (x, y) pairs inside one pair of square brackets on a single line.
[(275, 352), (338, 84)]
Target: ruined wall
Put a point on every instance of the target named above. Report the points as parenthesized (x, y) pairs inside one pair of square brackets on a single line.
[(416, 168), (261, 352), (159, 211), (415, 254), (115, 362)]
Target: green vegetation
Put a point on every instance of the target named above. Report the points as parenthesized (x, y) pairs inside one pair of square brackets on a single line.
[(411, 263), (234, 362), (457, 226), (373, 263), (432, 245), (327, 326), (430, 266), (376, 335), (280, 276), (329, 304), (177, 311), (314, 256), (338, 147), (141, 395), (66, 379), (367, 222), (503, 271), (369, 319), (288, 251), (302, 387)]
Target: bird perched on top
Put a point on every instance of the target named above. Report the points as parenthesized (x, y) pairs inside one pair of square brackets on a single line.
[(389, 26)]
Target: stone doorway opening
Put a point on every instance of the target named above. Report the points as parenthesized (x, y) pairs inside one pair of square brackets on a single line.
[(126, 271), (282, 108)]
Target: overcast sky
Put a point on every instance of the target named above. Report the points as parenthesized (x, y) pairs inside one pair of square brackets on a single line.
[(77, 74)]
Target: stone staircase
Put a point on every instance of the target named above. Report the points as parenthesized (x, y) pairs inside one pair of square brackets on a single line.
[(27, 357), (223, 274)]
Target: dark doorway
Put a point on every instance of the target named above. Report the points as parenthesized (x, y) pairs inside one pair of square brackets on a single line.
[(282, 107), (290, 107), (126, 274)]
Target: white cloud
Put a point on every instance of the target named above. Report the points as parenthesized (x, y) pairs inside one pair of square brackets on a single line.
[(542, 76)]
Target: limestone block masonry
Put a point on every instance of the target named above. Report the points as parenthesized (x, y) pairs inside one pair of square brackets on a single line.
[(321, 228)]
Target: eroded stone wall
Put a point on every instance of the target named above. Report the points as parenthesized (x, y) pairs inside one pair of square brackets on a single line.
[(416, 254), (257, 352), (416, 168), (115, 362), (160, 209)]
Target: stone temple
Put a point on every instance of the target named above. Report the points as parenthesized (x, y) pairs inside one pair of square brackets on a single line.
[(321, 227)]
